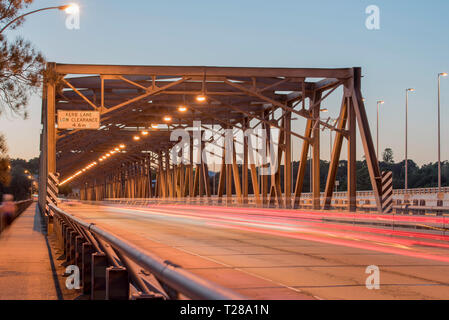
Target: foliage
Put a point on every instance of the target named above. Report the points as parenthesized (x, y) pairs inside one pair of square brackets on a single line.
[(31, 165), (4, 163), (21, 69), (3, 146), (418, 177), (387, 155), (5, 177), (65, 189), (20, 184), (21, 65)]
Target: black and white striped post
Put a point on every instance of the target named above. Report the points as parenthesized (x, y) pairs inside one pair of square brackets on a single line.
[(51, 197), (387, 192), (52, 190)]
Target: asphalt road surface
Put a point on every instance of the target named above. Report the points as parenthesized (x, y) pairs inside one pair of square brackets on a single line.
[(282, 254)]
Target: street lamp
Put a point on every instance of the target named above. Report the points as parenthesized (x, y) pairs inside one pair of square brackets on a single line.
[(442, 74), (201, 98), (31, 185), (379, 102), (68, 8), (325, 110), (406, 138)]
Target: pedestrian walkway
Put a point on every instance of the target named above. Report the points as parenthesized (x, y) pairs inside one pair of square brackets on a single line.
[(26, 270)]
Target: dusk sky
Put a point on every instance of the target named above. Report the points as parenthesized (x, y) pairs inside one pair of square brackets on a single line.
[(409, 50)]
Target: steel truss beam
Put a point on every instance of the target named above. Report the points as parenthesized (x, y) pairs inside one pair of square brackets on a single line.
[(129, 98)]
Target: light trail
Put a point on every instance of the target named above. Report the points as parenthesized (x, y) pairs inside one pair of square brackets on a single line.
[(348, 243), (262, 216), (369, 238)]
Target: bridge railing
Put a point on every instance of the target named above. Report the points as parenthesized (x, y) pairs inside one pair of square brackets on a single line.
[(368, 193), (21, 206), (107, 261), (415, 205)]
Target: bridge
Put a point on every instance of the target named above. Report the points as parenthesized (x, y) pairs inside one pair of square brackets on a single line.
[(151, 217), (141, 107)]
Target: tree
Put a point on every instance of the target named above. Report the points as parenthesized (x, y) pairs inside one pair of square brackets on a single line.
[(65, 190), (21, 69), (5, 177), (21, 66), (3, 147), (31, 165), (20, 184), (387, 155)]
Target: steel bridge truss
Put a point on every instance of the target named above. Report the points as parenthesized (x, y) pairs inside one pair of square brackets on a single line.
[(130, 98)]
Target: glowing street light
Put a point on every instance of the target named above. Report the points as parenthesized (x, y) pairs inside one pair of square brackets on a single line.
[(144, 132), (379, 102), (182, 108), (201, 98), (68, 9), (167, 118), (122, 146), (154, 126), (406, 137), (136, 138), (442, 74)]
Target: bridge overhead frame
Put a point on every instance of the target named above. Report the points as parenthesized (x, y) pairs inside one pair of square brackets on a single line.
[(130, 98)]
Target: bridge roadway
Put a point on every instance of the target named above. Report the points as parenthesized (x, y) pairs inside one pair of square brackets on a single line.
[(281, 254)]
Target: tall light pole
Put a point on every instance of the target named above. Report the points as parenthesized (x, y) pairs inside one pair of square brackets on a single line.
[(330, 144), (30, 177), (379, 102), (325, 110), (68, 8), (406, 137), (442, 74)]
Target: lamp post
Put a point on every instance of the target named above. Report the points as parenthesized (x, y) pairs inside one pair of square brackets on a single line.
[(30, 177), (68, 8), (325, 110), (379, 102), (406, 137), (442, 74)]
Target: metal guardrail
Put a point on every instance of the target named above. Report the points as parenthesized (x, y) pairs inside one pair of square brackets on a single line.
[(21, 206), (108, 261), (364, 198), (367, 193), (418, 207)]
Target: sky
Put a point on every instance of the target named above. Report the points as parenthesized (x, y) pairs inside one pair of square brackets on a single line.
[(409, 50)]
